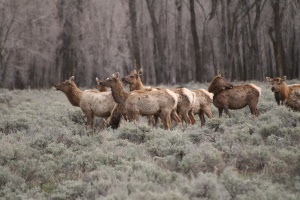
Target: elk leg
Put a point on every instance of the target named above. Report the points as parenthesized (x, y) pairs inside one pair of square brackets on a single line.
[(220, 112), (202, 118), (192, 117), (185, 117), (207, 111), (164, 117), (175, 117), (90, 121), (151, 120), (227, 111)]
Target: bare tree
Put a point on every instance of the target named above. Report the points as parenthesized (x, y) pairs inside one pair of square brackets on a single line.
[(159, 54), (280, 57), (196, 42)]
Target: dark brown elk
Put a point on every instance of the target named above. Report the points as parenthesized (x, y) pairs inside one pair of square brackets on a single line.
[(227, 96), (288, 95), (137, 103)]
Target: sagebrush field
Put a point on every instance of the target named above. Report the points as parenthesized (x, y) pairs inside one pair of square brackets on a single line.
[(47, 153)]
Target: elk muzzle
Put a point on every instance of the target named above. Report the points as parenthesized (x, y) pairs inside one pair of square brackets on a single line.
[(273, 89)]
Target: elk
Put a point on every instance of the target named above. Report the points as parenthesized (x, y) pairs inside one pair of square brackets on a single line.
[(159, 102), (202, 105), (70, 89), (92, 103), (185, 100), (288, 95), (227, 96), (99, 87)]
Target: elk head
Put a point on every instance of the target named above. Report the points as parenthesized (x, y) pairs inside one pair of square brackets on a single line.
[(65, 86), (110, 82), (133, 77), (276, 83), (218, 84)]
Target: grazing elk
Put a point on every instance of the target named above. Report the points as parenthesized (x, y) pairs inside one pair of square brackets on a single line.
[(185, 100), (91, 102), (202, 105), (285, 94), (227, 96), (136, 103)]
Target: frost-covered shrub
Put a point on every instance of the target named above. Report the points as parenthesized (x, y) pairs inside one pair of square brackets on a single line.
[(137, 133), (9, 181), (204, 158), (249, 159), (164, 144), (255, 188), (77, 117), (205, 186), (269, 129), (70, 190)]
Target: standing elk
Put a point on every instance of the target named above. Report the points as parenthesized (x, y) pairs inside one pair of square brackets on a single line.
[(185, 100), (227, 96), (202, 105), (70, 89), (288, 95), (99, 87), (91, 102), (137, 103)]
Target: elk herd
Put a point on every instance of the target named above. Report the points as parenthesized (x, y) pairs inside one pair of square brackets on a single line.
[(170, 105)]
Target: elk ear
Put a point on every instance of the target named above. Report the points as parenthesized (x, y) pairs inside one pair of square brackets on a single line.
[(97, 80), (219, 73), (117, 75), (140, 72), (71, 79), (269, 79), (283, 78)]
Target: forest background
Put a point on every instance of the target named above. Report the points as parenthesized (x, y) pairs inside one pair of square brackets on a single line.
[(174, 41)]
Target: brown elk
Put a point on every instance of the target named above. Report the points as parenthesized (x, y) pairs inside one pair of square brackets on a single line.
[(227, 96), (70, 89), (136, 103), (99, 87), (185, 100), (288, 95), (91, 102), (202, 105)]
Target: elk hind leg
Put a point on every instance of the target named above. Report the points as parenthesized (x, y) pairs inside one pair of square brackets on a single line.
[(192, 116), (175, 117)]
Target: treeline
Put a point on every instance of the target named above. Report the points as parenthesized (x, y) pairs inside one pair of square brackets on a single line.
[(174, 41)]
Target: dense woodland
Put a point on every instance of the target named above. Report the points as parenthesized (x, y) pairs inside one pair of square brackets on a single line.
[(174, 41)]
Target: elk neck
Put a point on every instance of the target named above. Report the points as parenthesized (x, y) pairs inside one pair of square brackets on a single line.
[(119, 95)]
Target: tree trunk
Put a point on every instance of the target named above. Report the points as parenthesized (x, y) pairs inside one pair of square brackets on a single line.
[(281, 65), (196, 42), (134, 34), (158, 52)]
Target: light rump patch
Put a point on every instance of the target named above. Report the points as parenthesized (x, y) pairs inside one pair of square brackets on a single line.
[(211, 95), (256, 87)]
